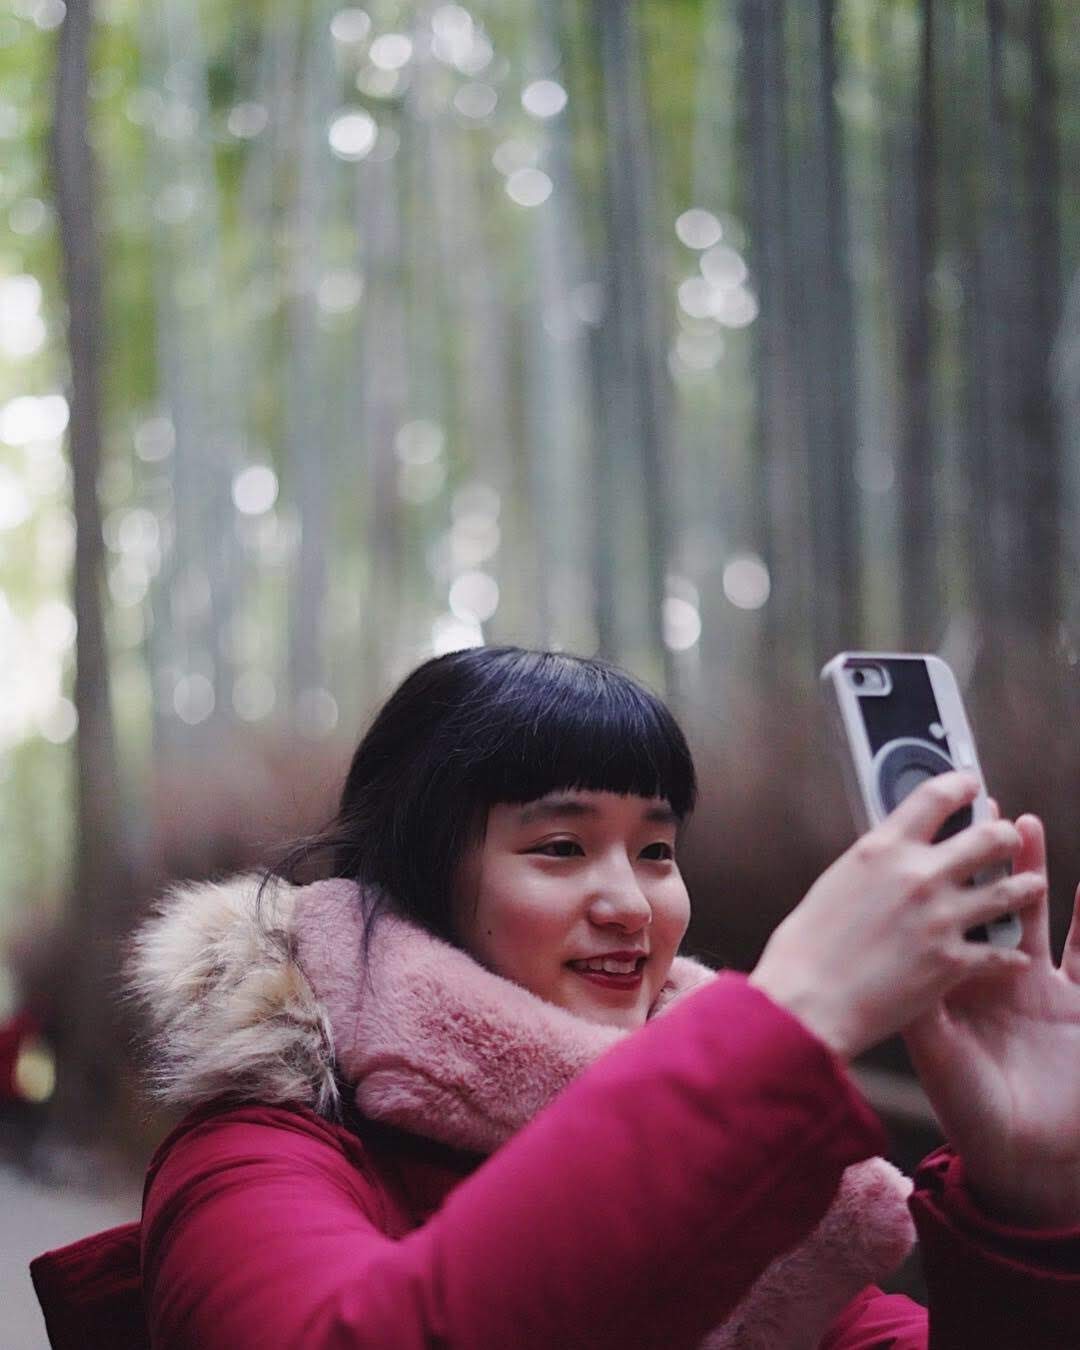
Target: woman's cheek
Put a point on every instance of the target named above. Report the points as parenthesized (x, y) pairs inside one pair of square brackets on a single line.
[(677, 905), (528, 905)]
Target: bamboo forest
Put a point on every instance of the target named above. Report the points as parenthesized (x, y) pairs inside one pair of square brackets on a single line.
[(710, 337)]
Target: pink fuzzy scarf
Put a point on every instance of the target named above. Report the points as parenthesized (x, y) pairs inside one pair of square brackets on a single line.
[(442, 1047)]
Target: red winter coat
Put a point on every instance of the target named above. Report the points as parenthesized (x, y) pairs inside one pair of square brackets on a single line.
[(655, 1200)]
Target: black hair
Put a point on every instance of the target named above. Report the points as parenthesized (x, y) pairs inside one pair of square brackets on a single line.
[(471, 729)]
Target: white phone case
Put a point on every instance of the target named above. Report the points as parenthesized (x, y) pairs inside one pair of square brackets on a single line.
[(919, 728)]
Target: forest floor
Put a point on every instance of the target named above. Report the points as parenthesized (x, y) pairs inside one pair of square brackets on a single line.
[(40, 1214)]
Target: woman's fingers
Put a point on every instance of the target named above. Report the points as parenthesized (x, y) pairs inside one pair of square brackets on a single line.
[(1020, 893), (979, 960), (973, 850), (1032, 855), (1032, 858), (994, 843), (923, 812)]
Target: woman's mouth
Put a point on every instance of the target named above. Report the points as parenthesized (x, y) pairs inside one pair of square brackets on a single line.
[(609, 972)]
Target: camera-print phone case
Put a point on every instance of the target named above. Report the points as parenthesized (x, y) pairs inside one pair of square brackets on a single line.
[(901, 720)]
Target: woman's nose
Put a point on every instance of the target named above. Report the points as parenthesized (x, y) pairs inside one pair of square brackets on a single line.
[(621, 901)]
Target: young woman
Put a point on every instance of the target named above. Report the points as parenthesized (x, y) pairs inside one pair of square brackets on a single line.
[(463, 1092)]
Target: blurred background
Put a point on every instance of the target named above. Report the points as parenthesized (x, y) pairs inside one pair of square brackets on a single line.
[(711, 336)]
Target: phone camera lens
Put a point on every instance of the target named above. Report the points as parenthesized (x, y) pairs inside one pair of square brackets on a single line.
[(902, 766)]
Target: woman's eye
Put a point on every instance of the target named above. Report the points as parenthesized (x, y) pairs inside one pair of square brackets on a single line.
[(569, 848), (559, 844)]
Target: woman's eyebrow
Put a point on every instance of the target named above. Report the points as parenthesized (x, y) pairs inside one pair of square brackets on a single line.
[(571, 806)]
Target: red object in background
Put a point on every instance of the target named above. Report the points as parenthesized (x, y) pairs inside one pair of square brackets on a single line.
[(15, 1033)]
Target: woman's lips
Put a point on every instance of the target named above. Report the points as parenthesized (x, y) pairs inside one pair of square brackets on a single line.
[(606, 981)]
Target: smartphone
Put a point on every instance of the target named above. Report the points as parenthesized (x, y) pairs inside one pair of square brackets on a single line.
[(901, 720)]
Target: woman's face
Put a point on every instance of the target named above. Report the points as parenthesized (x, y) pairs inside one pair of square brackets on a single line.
[(568, 880)]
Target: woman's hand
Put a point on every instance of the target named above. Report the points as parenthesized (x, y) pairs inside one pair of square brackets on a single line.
[(879, 938), (1000, 1061)]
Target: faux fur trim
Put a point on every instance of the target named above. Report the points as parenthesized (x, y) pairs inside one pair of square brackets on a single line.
[(230, 1014), (270, 1003)]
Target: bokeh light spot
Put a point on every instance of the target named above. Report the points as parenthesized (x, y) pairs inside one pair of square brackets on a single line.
[(339, 291), (247, 120), (255, 490), (722, 266), (350, 26), (681, 624), (454, 33), (476, 101), (543, 98), (696, 297), (14, 501), (391, 51), (451, 634), (735, 307), (30, 417), (746, 581), (49, 14), (58, 725), (316, 713), (53, 626), (474, 597), (419, 442), (698, 229), (352, 134), (22, 329), (28, 216), (529, 187), (193, 699), (874, 470)]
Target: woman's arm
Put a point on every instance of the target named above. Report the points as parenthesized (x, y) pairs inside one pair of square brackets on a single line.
[(636, 1210), (998, 1053), (991, 1283)]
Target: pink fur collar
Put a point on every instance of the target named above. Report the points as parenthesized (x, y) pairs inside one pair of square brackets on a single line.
[(438, 1045), (434, 1042)]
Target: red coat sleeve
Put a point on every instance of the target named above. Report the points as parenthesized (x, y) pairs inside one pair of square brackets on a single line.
[(876, 1321), (635, 1210), (990, 1283)]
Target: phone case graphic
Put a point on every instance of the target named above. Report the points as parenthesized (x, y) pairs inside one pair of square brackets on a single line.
[(901, 719)]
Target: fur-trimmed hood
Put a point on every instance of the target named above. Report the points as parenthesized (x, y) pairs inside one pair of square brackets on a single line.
[(267, 1000), (229, 1012)]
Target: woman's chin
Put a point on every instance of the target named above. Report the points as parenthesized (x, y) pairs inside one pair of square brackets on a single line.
[(627, 1008), (627, 1018)]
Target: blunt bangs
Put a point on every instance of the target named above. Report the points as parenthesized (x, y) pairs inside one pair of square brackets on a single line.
[(563, 722), (469, 730)]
